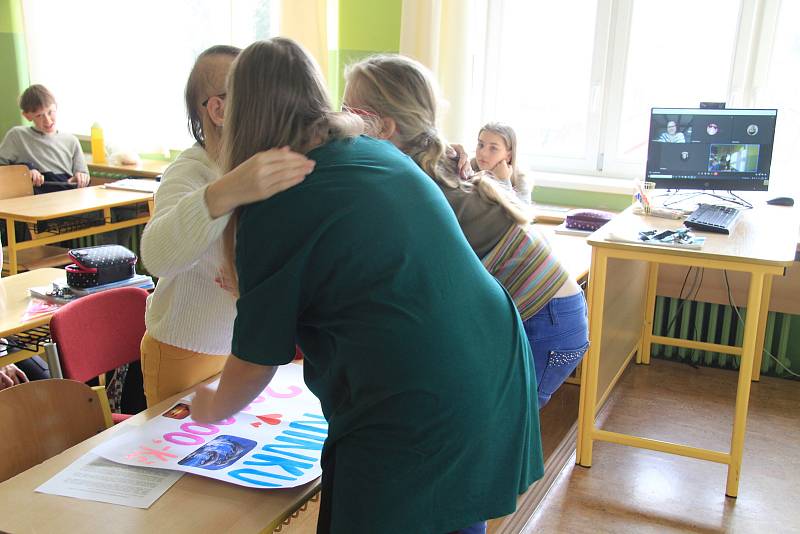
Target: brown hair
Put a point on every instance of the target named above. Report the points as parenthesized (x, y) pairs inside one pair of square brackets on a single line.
[(518, 180), (402, 89), (276, 97), (35, 98), (200, 84)]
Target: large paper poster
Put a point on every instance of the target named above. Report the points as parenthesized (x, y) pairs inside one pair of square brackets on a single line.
[(276, 442)]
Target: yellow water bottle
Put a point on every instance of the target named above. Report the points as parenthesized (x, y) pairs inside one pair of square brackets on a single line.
[(98, 146)]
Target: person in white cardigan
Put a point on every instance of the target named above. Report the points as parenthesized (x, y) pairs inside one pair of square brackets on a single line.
[(190, 316)]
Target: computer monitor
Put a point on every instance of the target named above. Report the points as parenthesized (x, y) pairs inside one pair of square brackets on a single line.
[(710, 149)]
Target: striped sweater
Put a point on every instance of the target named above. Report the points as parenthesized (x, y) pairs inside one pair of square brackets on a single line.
[(523, 262)]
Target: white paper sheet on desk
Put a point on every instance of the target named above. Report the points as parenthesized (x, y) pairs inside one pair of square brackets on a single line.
[(276, 442), (92, 478)]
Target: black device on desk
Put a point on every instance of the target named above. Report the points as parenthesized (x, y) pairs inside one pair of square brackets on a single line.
[(781, 201), (712, 218), (52, 186), (708, 150)]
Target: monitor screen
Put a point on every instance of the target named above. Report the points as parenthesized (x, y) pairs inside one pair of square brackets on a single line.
[(723, 149)]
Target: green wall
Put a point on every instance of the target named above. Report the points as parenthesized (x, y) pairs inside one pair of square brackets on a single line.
[(365, 27), (13, 64), (580, 199)]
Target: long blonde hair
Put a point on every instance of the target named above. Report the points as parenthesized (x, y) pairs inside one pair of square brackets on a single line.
[(403, 90), (518, 180), (275, 98)]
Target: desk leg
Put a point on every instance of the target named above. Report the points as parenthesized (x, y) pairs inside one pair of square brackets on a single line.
[(12, 247), (754, 300), (643, 355), (762, 327), (584, 367), (597, 296)]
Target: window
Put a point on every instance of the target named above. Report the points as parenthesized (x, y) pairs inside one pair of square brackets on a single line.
[(125, 64), (577, 78)]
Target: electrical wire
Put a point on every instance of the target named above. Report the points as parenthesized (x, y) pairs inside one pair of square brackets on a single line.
[(741, 321), (693, 287)]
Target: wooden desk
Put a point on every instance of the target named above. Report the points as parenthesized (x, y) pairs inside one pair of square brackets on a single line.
[(38, 208), (14, 299), (622, 294), (145, 168), (194, 504), (572, 250)]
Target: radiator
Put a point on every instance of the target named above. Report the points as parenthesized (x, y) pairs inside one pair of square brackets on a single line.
[(716, 323)]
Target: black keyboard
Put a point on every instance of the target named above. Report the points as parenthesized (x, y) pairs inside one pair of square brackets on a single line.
[(713, 218)]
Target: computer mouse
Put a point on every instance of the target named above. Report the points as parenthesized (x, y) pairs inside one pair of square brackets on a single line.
[(781, 201)]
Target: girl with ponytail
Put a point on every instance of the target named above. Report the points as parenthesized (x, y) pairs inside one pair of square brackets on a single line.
[(399, 95)]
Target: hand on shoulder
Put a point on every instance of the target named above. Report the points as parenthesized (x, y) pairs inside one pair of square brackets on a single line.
[(456, 151), (262, 176)]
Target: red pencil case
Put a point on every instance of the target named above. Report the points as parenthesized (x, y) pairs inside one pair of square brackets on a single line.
[(100, 265)]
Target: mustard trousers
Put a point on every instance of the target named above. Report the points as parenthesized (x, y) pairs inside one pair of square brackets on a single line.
[(168, 370)]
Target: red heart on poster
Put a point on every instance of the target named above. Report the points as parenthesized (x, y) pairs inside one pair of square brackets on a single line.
[(271, 418), (256, 424)]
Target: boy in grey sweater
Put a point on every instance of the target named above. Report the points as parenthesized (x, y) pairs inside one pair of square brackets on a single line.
[(50, 154)]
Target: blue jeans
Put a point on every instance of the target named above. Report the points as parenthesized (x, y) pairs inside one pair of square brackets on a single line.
[(559, 336), (477, 528)]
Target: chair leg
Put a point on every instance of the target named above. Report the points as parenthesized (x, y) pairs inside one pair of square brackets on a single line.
[(53, 362)]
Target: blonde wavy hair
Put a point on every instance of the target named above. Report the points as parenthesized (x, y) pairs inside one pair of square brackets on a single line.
[(275, 98), (402, 89)]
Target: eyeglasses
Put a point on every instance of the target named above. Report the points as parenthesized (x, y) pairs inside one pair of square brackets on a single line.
[(359, 111), (204, 103)]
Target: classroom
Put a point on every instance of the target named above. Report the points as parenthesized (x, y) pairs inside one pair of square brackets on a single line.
[(435, 266)]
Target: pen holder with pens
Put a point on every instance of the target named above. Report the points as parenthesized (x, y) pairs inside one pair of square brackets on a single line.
[(643, 195)]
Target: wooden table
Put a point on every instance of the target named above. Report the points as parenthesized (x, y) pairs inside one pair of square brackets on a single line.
[(194, 504), (14, 299), (61, 204), (573, 251), (622, 294), (146, 168)]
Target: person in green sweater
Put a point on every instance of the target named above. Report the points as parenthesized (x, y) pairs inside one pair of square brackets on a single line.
[(411, 346)]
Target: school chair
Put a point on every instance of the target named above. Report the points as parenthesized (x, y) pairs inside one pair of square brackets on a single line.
[(98, 333), (43, 418), (15, 181)]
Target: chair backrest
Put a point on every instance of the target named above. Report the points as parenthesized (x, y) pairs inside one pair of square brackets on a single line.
[(43, 418), (98, 333), (15, 181)]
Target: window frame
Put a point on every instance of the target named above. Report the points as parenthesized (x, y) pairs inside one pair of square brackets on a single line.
[(598, 170)]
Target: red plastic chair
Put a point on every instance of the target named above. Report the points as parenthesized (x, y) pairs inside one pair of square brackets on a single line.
[(98, 333)]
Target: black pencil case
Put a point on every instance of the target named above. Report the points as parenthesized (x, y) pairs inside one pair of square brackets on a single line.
[(95, 266)]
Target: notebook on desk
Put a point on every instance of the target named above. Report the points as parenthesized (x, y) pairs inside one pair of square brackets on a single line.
[(140, 185)]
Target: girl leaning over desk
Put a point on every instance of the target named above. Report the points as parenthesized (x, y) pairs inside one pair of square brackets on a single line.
[(398, 96)]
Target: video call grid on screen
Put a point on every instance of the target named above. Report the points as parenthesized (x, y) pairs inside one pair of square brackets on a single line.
[(726, 149)]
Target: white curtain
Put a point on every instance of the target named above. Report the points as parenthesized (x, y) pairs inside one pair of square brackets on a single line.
[(306, 21), (442, 35)]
